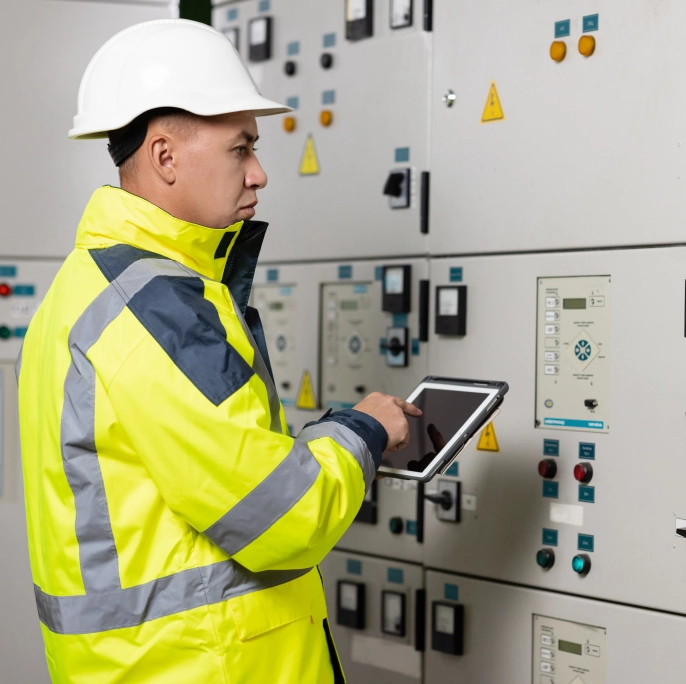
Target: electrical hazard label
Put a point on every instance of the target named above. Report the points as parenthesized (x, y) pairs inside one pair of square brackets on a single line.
[(306, 398), (309, 166), (493, 111), (488, 441)]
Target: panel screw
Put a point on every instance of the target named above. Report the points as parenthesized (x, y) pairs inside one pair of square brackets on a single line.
[(449, 98)]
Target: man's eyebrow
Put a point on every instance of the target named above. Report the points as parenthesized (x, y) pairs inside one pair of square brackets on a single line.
[(248, 137)]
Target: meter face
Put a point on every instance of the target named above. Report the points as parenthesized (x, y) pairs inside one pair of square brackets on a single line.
[(258, 31), (401, 13), (394, 280), (355, 9)]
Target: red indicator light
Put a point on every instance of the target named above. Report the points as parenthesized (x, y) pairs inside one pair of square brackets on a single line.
[(583, 472), (5, 290), (547, 468)]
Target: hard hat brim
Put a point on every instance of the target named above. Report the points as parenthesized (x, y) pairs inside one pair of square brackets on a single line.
[(91, 130)]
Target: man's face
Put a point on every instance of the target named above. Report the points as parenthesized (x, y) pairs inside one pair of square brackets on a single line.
[(217, 172)]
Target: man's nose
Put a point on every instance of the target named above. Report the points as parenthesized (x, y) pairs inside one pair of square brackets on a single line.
[(255, 177)]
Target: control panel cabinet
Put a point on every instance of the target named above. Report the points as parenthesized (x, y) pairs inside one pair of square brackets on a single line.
[(549, 505), (543, 161), (346, 167), (329, 342), (513, 634), (375, 610)]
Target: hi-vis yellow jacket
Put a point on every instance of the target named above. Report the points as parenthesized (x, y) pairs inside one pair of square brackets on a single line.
[(174, 526)]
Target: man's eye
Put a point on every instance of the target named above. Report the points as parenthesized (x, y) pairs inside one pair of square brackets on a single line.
[(241, 150)]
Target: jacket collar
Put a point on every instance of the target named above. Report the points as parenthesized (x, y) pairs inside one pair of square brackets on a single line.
[(229, 255)]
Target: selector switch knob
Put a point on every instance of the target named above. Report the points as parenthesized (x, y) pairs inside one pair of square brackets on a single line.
[(581, 564), (583, 472), (547, 468), (545, 558), (396, 525)]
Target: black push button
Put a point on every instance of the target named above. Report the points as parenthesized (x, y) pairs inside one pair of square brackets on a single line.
[(326, 60), (290, 68), (396, 525)]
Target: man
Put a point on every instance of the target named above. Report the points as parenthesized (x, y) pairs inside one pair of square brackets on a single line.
[(174, 526)]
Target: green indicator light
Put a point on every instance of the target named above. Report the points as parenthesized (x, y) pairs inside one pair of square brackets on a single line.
[(5, 332), (581, 564), (578, 564), (542, 558), (545, 558)]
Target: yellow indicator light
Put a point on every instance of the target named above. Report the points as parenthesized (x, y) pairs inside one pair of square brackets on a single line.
[(326, 117), (289, 124), (587, 45), (558, 50)]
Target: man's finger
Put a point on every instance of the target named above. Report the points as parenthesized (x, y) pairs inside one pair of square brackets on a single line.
[(409, 409)]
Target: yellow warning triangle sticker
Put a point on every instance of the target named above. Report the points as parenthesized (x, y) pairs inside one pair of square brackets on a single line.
[(493, 110), (309, 166), (488, 441), (306, 398)]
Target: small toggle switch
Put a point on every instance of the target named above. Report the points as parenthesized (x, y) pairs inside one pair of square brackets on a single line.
[(590, 403)]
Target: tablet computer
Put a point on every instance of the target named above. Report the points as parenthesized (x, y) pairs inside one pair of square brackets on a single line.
[(453, 412)]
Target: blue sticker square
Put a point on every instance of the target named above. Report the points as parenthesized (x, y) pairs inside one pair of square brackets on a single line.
[(382, 346), (360, 288), (24, 290), (551, 447), (587, 451), (586, 542), (400, 320), (345, 271), (328, 97), (272, 275), (264, 6), (415, 346), (354, 567), (285, 291), (590, 23), (329, 40), (232, 14), (456, 274), (378, 273), (451, 592), (453, 470), (563, 28), (293, 48), (20, 332), (549, 537), (293, 102), (551, 489), (411, 527), (8, 271), (396, 576), (402, 155), (586, 494)]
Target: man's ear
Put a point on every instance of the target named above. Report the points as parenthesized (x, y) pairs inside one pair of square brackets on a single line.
[(161, 158)]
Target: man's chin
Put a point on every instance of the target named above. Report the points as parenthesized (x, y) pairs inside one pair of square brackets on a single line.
[(246, 213)]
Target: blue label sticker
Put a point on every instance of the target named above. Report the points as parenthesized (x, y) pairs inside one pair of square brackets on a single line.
[(264, 6), (345, 271), (232, 14), (587, 451), (285, 291), (451, 592), (360, 289), (415, 346), (20, 332), (411, 527), (354, 567), (586, 542), (329, 40), (272, 275), (382, 345), (24, 290), (453, 470), (567, 422), (456, 274), (400, 320), (329, 97), (551, 447), (396, 575), (586, 493), (293, 102), (590, 23), (293, 48), (550, 489), (287, 402), (402, 155), (8, 271), (378, 273), (549, 537), (563, 28)]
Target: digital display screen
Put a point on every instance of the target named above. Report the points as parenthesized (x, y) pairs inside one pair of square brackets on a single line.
[(579, 303), (568, 646), (444, 412), (349, 305), (275, 306)]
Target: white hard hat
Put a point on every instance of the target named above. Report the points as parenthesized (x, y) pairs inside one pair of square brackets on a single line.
[(166, 63)]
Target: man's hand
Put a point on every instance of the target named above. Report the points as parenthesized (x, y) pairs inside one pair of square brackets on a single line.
[(390, 412)]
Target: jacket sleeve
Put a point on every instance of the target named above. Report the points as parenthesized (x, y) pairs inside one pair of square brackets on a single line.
[(268, 500)]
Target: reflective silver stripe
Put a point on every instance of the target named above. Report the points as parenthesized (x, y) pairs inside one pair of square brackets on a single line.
[(185, 590), (268, 502), (349, 440), (260, 368), (97, 550), (17, 365)]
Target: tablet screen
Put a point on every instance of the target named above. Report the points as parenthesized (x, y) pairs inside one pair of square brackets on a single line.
[(445, 411)]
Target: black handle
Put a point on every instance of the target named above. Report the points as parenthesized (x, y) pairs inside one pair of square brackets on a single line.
[(424, 292), (420, 512), (420, 619), (424, 203)]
